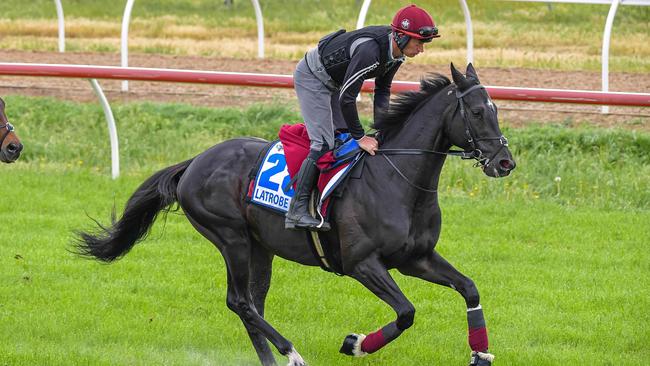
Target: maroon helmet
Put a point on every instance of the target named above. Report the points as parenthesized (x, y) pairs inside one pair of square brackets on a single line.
[(412, 21)]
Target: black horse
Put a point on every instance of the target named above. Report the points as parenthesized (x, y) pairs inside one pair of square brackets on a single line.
[(10, 146), (389, 218)]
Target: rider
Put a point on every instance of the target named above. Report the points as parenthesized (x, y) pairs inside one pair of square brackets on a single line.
[(328, 80)]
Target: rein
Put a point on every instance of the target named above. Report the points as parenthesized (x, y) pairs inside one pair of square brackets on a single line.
[(9, 127), (475, 153)]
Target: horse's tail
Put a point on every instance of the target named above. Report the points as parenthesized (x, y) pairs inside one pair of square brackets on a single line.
[(156, 194)]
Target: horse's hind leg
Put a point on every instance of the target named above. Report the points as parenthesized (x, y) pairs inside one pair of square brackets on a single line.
[(375, 277), (434, 268), (237, 249), (240, 301), (259, 283)]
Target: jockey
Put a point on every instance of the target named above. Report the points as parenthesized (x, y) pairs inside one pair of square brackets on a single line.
[(328, 80)]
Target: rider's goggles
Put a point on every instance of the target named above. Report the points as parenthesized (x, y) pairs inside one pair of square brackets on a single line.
[(427, 33)]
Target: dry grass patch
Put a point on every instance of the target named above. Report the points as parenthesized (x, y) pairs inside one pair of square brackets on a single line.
[(497, 44)]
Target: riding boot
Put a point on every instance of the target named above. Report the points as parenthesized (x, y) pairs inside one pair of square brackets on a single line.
[(298, 216)]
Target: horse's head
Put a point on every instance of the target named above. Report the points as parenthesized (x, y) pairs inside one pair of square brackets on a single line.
[(474, 125), (10, 146)]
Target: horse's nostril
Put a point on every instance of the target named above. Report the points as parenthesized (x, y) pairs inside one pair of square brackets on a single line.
[(507, 164), (13, 148)]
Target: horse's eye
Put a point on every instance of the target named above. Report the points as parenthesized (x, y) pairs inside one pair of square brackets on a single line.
[(477, 114)]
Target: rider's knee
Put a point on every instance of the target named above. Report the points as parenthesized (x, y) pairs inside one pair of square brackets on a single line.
[(315, 154)]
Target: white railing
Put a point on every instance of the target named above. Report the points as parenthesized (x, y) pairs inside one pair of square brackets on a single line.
[(607, 33), (547, 95), (124, 43), (108, 113), (126, 20), (283, 81), (59, 15)]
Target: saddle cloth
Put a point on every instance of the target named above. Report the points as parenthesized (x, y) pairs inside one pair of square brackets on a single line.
[(282, 160)]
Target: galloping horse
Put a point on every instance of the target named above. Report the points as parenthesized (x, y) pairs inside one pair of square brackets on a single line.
[(10, 146), (388, 219)]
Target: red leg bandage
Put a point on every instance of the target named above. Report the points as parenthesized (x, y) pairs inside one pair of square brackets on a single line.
[(373, 342), (478, 339)]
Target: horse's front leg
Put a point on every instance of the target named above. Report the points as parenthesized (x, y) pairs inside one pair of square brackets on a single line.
[(434, 268), (375, 277)]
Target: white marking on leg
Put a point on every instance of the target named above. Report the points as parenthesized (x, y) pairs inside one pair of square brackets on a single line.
[(295, 359), (476, 308), (483, 356), (356, 350)]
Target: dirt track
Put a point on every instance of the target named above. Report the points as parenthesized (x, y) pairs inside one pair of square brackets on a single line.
[(511, 113)]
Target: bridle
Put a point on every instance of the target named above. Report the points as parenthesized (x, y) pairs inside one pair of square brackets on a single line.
[(475, 153), (481, 160), (9, 127)]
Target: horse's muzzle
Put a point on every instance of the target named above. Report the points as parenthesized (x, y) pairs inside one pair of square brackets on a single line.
[(499, 168), (11, 152)]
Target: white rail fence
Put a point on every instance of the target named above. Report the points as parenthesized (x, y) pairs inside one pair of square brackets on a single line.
[(607, 33), (281, 81), (125, 73)]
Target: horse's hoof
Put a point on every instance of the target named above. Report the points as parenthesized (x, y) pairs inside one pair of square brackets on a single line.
[(352, 345), (481, 359), (295, 359)]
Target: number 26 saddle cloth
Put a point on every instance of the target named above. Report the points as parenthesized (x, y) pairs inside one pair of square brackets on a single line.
[(271, 183)]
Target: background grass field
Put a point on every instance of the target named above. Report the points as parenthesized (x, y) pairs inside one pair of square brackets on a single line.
[(562, 268), (506, 34)]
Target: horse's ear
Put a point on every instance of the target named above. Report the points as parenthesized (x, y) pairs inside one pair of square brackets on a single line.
[(471, 73), (459, 78)]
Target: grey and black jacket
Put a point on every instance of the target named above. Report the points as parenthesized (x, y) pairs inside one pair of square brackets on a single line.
[(352, 57)]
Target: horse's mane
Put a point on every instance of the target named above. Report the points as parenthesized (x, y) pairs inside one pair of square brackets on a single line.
[(405, 103)]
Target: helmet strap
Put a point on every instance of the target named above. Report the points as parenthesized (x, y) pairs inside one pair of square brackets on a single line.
[(401, 39)]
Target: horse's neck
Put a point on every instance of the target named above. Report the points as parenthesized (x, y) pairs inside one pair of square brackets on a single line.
[(423, 128), (425, 131)]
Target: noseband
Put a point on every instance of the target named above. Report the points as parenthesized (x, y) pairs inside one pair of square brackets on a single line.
[(9, 127), (475, 153)]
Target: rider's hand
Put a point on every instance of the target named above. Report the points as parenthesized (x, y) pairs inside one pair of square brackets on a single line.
[(368, 144)]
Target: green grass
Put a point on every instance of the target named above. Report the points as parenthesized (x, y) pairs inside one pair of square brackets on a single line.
[(562, 274), (506, 34), (559, 285)]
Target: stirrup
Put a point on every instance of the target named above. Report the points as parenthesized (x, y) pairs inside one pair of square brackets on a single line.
[(294, 224)]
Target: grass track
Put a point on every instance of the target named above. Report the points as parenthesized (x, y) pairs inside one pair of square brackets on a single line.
[(558, 285), (563, 275)]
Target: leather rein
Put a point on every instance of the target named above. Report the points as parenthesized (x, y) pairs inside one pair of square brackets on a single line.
[(475, 153)]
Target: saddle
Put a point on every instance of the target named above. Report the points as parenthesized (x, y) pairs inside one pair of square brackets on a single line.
[(271, 184)]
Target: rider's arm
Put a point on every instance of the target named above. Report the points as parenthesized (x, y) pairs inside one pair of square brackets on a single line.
[(364, 61), (382, 89)]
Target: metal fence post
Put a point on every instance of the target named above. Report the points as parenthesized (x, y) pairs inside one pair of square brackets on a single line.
[(607, 35), (126, 19), (59, 15), (112, 129)]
